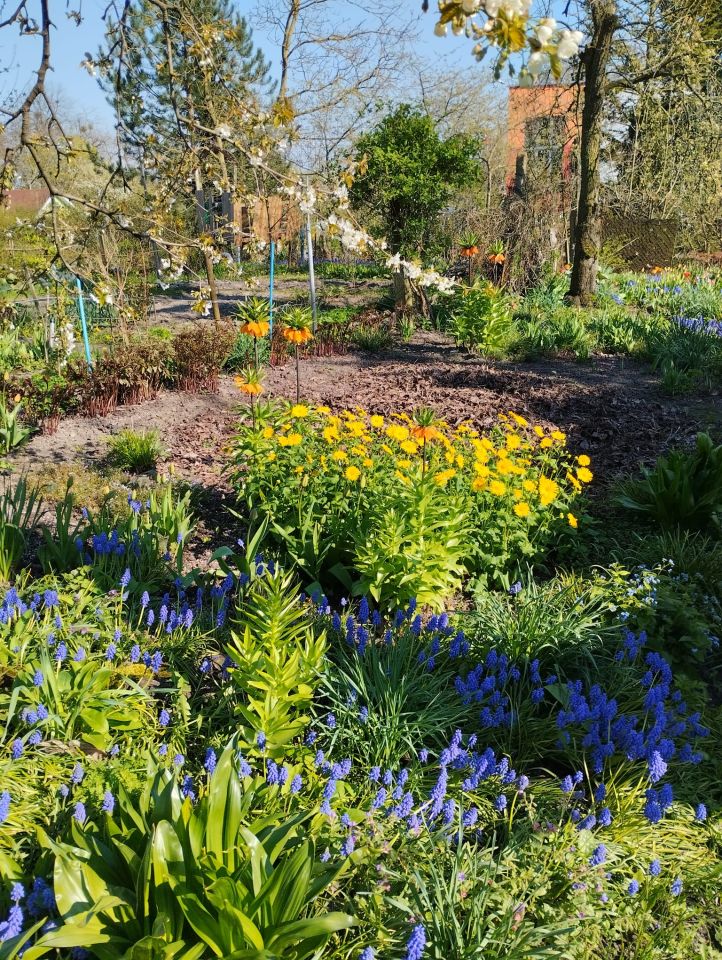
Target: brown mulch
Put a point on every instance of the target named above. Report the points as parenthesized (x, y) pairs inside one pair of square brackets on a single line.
[(611, 408)]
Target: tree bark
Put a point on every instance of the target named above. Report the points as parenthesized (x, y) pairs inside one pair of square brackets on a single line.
[(588, 228), (403, 294)]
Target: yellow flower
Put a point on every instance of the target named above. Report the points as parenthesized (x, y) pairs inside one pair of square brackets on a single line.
[(323, 410), (497, 488), (529, 486), (408, 446), (292, 440), (356, 427), (377, 421), (387, 449), (558, 435), (548, 490), (546, 442), (518, 420), (478, 484), (402, 477), (441, 479), (352, 473), (573, 522), (368, 462), (358, 451), (522, 509), (583, 460), (339, 455), (504, 466), (271, 457), (460, 461), (585, 475), (513, 441), (330, 434), (538, 431), (299, 410), (450, 456), (574, 482), (267, 433), (397, 433), (481, 469), (299, 469), (403, 464)]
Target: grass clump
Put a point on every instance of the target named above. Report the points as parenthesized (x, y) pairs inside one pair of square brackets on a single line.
[(372, 338), (136, 451)]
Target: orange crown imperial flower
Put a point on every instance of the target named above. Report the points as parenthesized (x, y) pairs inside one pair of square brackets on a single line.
[(297, 336), (255, 328), (424, 432), (249, 382)]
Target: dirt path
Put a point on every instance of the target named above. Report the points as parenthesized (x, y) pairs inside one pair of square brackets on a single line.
[(173, 310), (611, 408)]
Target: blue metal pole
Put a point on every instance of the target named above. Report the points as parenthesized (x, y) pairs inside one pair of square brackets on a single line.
[(270, 291), (83, 323)]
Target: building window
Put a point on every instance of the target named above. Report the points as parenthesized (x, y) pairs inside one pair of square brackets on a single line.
[(544, 144)]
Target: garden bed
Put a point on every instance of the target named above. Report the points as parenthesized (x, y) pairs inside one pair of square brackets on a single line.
[(611, 407)]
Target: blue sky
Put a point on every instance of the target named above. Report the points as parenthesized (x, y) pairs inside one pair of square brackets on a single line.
[(81, 94)]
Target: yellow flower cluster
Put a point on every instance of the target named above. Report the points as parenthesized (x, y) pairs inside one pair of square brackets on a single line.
[(522, 469)]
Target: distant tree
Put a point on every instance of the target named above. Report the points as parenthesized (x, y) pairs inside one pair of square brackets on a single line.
[(407, 175), (183, 76), (159, 76)]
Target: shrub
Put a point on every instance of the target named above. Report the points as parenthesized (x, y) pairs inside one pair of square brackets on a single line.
[(130, 371), (48, 396), (684, 489), (199, 354), (332, 486), (136, 451)]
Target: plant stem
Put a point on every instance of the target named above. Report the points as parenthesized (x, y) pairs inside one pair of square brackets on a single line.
[(298, 379)]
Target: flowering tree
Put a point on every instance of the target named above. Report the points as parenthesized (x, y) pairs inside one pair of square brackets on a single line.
[(212, 119), (225, 139)]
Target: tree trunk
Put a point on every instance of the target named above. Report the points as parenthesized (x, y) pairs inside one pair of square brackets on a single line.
[(403, 294), (207, 259), (588, 228)]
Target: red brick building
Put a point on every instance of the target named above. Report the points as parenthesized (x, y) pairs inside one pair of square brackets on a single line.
[(26, 201), (544, 124)]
